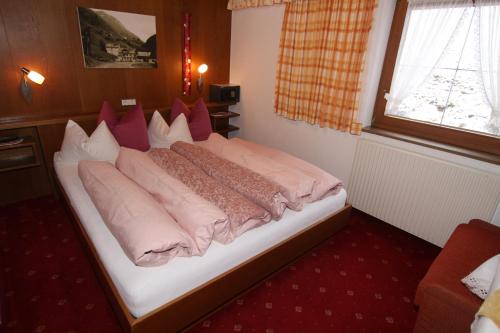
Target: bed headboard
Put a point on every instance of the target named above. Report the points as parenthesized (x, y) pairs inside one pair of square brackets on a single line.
[(46, 135), (50, 131), (27, 168)]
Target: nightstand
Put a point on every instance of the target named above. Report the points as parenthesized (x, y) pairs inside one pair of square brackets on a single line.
[(19, 155), (220, 115), (220, 122), (23, 173)]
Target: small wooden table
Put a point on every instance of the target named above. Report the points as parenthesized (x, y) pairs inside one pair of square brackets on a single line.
[(220, 122)]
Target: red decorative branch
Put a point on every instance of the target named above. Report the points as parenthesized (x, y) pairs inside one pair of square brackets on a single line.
[(186, 54)]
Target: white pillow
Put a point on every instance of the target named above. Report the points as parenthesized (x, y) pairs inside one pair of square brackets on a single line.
[(77, 146), (162, 136), (480, 280)]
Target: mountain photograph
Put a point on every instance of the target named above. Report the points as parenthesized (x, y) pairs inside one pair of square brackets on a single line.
[(112, 39)]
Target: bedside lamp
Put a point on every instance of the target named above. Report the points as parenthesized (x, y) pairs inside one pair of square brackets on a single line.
[(26, 90), (201, 69)]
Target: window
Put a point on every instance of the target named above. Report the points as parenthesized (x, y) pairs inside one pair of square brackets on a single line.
[(441, 73)]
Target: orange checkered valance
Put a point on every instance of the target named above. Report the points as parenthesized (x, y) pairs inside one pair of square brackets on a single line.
[(241, 4), (322, 49)]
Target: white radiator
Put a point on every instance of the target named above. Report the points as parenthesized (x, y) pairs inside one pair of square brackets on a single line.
[(424, 196)]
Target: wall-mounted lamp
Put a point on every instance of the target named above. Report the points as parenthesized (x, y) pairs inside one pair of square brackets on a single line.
[(201, 69), (26, 90)]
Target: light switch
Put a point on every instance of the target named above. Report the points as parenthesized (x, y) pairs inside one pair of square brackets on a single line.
[(128, 102)]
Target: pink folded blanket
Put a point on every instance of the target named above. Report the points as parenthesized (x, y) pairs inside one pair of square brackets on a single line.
[(251, 185), (325, 183), (243, 214), (201, 219), (148, 235), (295, 185)]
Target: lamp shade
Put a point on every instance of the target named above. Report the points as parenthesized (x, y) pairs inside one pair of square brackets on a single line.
[(202, 68), (33, 76), (36, 77), (25, 87)]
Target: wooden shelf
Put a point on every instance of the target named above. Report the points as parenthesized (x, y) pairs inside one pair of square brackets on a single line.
[(27, 141), (230, 128), (218, 104), (224, 114), (220, 121)]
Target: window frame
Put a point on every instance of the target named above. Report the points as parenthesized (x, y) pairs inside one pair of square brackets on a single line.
[(447, 135)]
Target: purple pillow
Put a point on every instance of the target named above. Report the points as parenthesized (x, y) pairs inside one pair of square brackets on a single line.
[(177, 108), (199, 121), (131, 130)]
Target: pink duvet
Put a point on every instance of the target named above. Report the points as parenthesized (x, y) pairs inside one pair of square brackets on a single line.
[(298, 184), (325, 183), (243, 214), (246, 182), (201, 219), (148, 235)]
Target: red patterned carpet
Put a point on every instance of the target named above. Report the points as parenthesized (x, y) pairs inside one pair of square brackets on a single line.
[(362, 280)]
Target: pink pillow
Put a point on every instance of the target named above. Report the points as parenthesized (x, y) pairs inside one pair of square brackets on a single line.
[(199, 121), (198, 118), (131, 130), (177, 108)]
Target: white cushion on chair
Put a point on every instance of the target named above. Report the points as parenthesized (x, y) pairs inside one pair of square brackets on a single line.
[(480, 280)]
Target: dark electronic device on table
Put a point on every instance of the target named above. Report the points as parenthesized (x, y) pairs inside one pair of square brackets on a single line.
[(224, 93)]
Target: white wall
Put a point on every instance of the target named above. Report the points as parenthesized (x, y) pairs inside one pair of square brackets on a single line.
[(255, 35)]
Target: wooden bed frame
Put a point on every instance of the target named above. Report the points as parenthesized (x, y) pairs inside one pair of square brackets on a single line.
[(189, 309)]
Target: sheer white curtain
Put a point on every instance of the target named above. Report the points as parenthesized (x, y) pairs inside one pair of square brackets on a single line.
[(489, 50), (429, 27)]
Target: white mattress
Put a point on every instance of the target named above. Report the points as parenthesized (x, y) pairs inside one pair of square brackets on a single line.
[(145, 288)]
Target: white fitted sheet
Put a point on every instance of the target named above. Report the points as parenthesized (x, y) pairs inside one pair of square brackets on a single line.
[(144, 289)]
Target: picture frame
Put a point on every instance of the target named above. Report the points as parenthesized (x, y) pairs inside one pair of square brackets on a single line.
[(115, 39)]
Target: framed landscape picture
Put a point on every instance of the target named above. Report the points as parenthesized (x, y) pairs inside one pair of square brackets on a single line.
[(112, 39)]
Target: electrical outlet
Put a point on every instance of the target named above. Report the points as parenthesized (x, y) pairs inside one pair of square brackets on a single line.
[(128, 102)]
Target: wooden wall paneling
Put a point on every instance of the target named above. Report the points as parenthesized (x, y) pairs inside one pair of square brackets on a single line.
[(23, 39), (172, 11), (95, 84), (38, 41), (210, 42), (44, 35), (223, 37), (146, 85), (10, 76), (60, 89)]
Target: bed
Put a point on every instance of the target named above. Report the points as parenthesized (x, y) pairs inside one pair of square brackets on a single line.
[(175, 296)]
